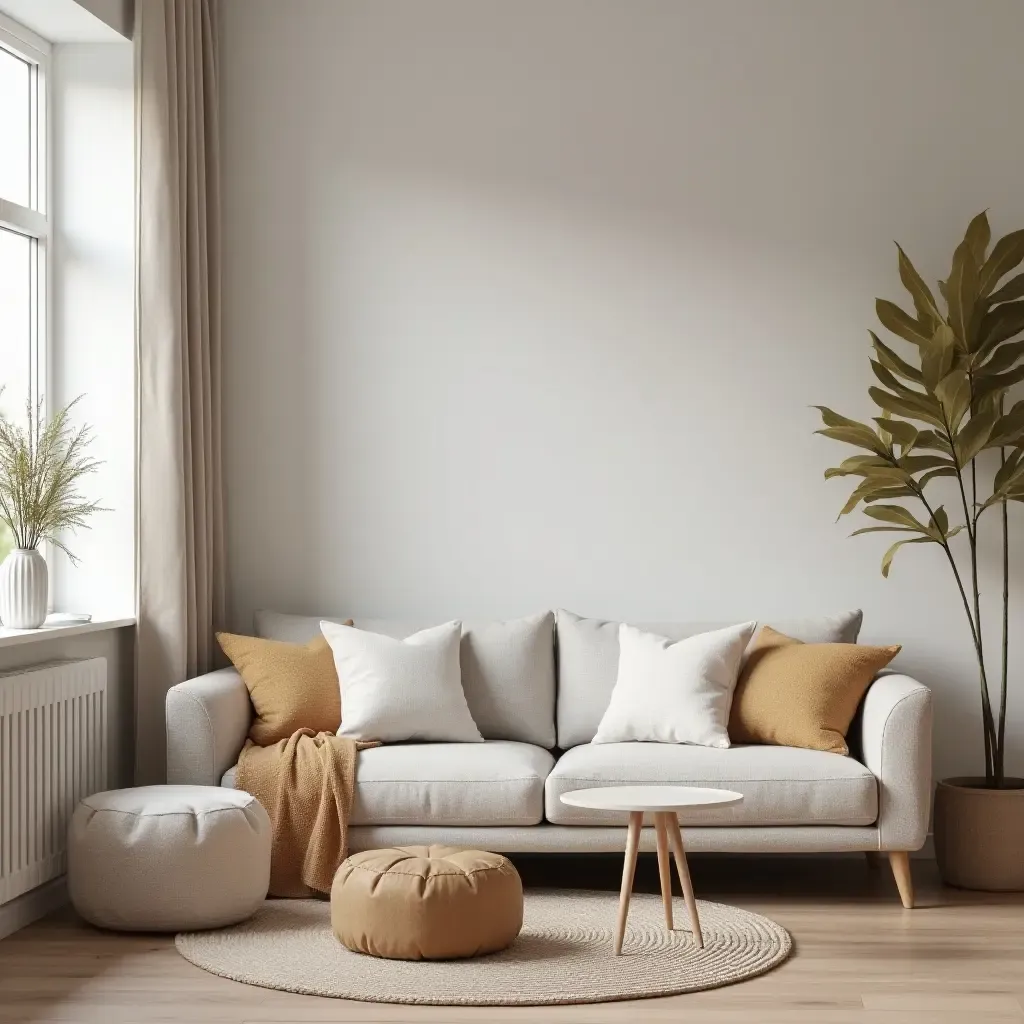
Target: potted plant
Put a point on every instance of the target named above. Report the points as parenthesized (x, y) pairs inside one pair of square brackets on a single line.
[(41, 465), (946, 426)]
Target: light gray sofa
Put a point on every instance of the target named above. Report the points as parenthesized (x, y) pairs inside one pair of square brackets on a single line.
[(537, 688)]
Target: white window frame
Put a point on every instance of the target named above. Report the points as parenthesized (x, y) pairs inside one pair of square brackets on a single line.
[(34, 220)]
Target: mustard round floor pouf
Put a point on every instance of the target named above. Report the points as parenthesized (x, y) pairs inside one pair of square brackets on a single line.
[(426, 903)]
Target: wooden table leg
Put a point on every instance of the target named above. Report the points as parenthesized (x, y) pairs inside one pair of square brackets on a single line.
[(636, 820), (661, 827), (676, 839), (900, 861)]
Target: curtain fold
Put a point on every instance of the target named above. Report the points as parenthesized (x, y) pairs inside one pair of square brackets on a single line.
[(180, 532)]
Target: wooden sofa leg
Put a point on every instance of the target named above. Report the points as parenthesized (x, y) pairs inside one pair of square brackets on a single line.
[(900, 862)]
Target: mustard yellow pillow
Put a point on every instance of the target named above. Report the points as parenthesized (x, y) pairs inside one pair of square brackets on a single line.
[(794, 694), (291, 686)]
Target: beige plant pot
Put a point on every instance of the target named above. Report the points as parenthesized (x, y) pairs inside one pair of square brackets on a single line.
[(979, 834)]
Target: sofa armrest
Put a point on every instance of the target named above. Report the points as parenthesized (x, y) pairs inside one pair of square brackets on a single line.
[(208, 719), (896, 746)]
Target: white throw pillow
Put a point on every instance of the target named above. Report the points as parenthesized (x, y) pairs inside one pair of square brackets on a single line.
[(395, 690), (674, 692)]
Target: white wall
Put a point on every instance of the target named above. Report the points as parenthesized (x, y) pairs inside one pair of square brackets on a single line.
[(118, 14), (67, 21), (93, 338), (526, 303)]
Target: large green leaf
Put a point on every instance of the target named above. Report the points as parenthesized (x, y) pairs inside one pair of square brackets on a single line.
[(884, 432), (891, 493), (864, 491), (940, 520), (882, 529), (831, 418), (1013, 289), (974, 435), (963, 289), (850, 436), (932, 474), (904, 433), (901, 405), (857, 465), (924, 301), (1008, 429), (992, 403), (933, 441), (919, 463), (897, 515), (954, 395), (890, 554), (978, 235), (841, 428), (938, 357), (1007, 253), (1009, 483), (893, 363), (1007, 469), (1004, 358), (902, 323), (989, 386), (1015, 486), (999, 324), (888, 380), (881, 476)]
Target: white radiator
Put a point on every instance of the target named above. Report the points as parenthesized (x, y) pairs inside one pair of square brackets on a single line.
[(53, 752)]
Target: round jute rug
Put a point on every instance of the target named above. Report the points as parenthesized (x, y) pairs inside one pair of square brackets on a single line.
[(563, 955)]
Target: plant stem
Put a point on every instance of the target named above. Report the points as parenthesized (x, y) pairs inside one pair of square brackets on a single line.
[(1000, 750), (987, 724), (986, 700), (973, 620), (991, 744), (971, 523), (974, 496)]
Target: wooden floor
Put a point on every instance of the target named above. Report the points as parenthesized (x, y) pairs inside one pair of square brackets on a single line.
[(860, 959)]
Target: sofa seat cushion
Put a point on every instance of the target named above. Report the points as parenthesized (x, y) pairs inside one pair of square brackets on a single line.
[(780, 785), (448, 784)]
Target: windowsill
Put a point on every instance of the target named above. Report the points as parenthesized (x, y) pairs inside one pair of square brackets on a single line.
[(16, 637)]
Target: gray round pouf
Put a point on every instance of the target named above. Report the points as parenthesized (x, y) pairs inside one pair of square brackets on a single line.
[(163, 858), (563, 955)]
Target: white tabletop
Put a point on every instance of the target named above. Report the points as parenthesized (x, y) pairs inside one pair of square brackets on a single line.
[(650, 798)]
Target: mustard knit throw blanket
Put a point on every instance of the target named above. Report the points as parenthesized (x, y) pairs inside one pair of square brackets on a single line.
[(306, 783)]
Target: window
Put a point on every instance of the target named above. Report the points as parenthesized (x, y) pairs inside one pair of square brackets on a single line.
[(24, 227), (23, 221)]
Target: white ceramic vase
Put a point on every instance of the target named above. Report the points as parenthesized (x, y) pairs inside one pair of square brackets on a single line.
[(24, 582)]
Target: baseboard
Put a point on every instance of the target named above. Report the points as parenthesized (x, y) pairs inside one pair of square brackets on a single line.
[(31, 906)]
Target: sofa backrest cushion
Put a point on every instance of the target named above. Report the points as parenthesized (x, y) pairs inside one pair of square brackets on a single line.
[(508, 668), (588, 660)]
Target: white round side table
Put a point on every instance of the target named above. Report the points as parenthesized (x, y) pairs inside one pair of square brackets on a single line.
[(665, 803)]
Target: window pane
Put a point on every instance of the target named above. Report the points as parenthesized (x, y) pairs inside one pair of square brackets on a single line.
[(16, 256), (15, 128)]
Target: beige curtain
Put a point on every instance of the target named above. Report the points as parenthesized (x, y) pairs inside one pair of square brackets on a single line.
[(180, 529)]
